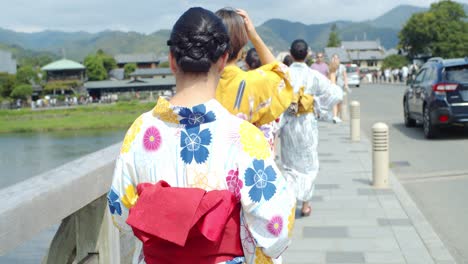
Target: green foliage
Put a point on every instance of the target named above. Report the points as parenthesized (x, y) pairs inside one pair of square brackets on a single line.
[(394, 62), (62, 85), (108, 61), (98, 65), (129, 68), (333, 39), (7, 83), (22, 91), (441, 32), (95, 68), (164, 64), (120, 115), (26, 75)]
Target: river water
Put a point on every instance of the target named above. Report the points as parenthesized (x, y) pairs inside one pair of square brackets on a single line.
[(25, 155)]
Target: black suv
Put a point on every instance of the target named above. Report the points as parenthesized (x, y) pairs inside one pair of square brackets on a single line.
[(438, 96)]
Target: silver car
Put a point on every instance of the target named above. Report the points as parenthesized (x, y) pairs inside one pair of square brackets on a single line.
[(352, 71)]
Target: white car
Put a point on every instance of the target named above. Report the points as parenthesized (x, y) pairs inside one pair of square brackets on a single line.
[(352, 71)]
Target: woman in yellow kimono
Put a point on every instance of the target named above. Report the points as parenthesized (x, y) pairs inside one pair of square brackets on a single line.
[(259, 96)]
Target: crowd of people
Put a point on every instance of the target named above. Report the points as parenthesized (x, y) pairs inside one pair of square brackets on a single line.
[(196, 180), (392, 75)]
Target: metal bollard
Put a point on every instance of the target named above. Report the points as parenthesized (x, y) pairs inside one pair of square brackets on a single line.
[(355, 121), (344, 107), (380, 159)]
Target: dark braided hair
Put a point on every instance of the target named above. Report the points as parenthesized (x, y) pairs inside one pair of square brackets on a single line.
[(198, 39)]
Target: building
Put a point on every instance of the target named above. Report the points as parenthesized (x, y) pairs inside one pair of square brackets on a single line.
[(152, 73), (7, 63), (98, 89), (65, 70), (366, 54), (342, 54), (142, 61)]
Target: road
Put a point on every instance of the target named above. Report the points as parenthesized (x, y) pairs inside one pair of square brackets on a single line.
[(434, 172)]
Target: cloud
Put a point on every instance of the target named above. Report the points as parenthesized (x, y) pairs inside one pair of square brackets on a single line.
[(150, 15)]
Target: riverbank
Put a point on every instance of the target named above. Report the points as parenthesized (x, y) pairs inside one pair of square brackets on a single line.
[(119, 115)]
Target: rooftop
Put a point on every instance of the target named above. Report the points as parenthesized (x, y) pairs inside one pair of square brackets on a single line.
[(152, 72), (144, 82), (367, 55), (342, 54), (361, 45), (136, 58), (63, 64)]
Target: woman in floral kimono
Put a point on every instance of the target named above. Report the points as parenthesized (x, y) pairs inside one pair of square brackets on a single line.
[(261, 95), (232, 205)]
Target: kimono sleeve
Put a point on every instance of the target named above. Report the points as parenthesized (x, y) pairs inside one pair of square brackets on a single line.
[(123, 192), (273, 92), (268, 204)]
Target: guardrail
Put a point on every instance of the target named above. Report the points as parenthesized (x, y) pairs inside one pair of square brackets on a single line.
[(73, 194)]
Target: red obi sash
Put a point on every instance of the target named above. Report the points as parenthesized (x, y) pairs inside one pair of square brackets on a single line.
[(186, 225)]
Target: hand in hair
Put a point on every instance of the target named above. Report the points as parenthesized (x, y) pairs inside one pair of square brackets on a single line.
[(263, 51), (249, 27)]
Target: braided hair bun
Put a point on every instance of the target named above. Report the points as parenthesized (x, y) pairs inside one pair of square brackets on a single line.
[(198, 39)]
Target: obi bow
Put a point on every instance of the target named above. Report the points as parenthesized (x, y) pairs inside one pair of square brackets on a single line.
[(304, 102)]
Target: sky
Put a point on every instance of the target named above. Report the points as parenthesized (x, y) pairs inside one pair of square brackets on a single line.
[(147, 16)]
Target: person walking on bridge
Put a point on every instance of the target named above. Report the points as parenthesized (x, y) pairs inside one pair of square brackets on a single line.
[(299, 130), (193, 182)]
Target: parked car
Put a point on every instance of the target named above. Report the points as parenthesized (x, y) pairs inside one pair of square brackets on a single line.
[(438, 96), (352, 71)]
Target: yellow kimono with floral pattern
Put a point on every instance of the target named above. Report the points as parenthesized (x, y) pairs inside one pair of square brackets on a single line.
[(259, 96)]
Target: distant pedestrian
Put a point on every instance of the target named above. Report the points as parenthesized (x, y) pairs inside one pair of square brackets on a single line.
[(252, 59), (404, 73), (288, 60), (339, 74), (320, 65), (387, 74)]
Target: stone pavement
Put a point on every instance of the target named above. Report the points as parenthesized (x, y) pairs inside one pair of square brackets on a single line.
[(351, 222)]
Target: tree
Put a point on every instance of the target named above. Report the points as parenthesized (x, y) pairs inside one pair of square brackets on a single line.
[(22, 91), (333, 39), (108, 61), (442, 31), (129, 68), (98, 65), (26, 75), (394, 62), (95, 68), (7, 83)]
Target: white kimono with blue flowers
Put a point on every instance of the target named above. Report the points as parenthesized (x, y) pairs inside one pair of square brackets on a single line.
[(206, 147)]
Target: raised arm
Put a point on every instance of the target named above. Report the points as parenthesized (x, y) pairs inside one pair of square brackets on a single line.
[(263, 51)]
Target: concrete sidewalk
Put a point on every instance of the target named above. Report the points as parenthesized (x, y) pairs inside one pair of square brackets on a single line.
[(353, 223)]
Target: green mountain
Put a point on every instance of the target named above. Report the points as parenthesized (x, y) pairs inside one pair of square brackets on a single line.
[(397, 17), (30, 57), (76, 45), (277, 33)]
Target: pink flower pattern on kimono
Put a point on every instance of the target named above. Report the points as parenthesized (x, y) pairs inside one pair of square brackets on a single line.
[(152, 139), (275, 226), (234, 183)]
